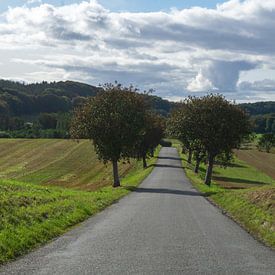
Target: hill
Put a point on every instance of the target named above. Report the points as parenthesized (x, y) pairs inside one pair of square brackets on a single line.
[(58, 162), (43, 110), (262, 116)]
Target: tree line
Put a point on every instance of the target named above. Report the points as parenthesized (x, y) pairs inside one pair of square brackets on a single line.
[(120, 124), (42, 110), (209, 128)]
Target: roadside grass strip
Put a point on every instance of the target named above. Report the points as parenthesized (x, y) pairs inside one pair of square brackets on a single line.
[(249, 200), (32, 214)]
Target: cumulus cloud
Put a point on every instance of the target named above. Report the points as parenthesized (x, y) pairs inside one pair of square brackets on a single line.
[(175, 52)]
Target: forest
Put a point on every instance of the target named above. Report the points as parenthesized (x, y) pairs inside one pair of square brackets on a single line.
[(44, 110)]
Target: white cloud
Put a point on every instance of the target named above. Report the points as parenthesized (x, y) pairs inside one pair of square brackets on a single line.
[(200, 84), (33, 1), (195, 49)]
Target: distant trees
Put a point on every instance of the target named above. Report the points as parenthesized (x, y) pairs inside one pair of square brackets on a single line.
[(266, 142), (117, 122), (210, 127), (153, 131)]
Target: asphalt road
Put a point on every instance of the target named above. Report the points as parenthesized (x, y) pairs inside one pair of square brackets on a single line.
[(165, 227)]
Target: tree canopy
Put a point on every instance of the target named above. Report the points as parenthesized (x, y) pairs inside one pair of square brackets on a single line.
[(210, 125), (114, 121)]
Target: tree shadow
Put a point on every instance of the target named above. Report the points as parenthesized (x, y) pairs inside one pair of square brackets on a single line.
[(231, 165), (165, 166), (172, 158), (168, 191), (237, 180)]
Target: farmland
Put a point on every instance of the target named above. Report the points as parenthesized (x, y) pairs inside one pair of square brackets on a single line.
[(244, 190), (56, 162), (34, 205)]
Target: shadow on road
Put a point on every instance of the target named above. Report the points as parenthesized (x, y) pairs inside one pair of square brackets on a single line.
[(172, 158), (166, 166), (167, 191)]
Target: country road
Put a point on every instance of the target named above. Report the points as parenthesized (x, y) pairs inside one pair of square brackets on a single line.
[(164, 227)]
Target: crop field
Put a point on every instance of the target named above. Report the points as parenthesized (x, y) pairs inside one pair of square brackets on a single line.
[(34, 205), (244, 190), (264, 162), (57, 162)]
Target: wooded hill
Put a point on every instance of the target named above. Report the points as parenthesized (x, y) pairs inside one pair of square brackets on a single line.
[(31, 110), (18, 99), (43, 106), (262, 116)]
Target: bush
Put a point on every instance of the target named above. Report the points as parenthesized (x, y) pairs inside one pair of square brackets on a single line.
[(4, 135), (266, 142)]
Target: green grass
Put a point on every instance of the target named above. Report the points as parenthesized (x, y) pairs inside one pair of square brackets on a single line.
[(245, 193), (32, 214)]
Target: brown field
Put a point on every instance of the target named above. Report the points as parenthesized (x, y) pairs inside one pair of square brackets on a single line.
[(265, 162), (55, 162)]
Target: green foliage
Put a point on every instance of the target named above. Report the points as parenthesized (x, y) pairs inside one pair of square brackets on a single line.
[(259, 108), (24, 103), (4, 134), (209, 125), (257, 218), (151, 135), (114, 120), (31, 215), (266, 142)]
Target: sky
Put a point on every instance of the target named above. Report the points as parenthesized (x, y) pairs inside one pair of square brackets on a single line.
[(177, 48)]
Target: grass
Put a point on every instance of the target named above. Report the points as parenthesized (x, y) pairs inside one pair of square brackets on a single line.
[(244, 192), (33, 214), (56, 162)]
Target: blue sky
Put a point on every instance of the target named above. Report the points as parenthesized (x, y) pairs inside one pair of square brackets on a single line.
[(128, 5), (227, 48)]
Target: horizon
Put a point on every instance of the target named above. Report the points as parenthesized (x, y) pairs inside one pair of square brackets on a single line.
[(177, 48)]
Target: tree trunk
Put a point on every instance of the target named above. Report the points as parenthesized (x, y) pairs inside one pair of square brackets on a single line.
[(144, 161), (198, 161), (189, 156), (152, 153), (115, 174), (209, 171)]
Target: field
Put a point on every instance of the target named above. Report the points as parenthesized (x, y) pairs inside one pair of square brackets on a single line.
[(263, 161), (245, 191), (34, 205), (57, 162)]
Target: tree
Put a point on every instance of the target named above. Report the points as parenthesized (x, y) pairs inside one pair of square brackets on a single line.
[(266, 142), (221, 127), (150, 137), (47, 121), (114, 120), (183, 126), (178, 127)]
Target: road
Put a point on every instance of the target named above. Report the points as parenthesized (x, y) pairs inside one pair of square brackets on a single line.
[(164, 227)]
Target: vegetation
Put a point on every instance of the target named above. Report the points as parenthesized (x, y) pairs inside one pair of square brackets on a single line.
[(114, 120), (31, 215), (266, 142), (150, 138), (211, 127), (43, 110), (58, 162), (243, 192)]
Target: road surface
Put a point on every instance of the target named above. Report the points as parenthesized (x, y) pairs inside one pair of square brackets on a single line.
[(164, 227)]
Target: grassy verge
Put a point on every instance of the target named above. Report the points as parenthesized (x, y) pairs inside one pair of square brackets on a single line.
[(244, 193), (31, 214)]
